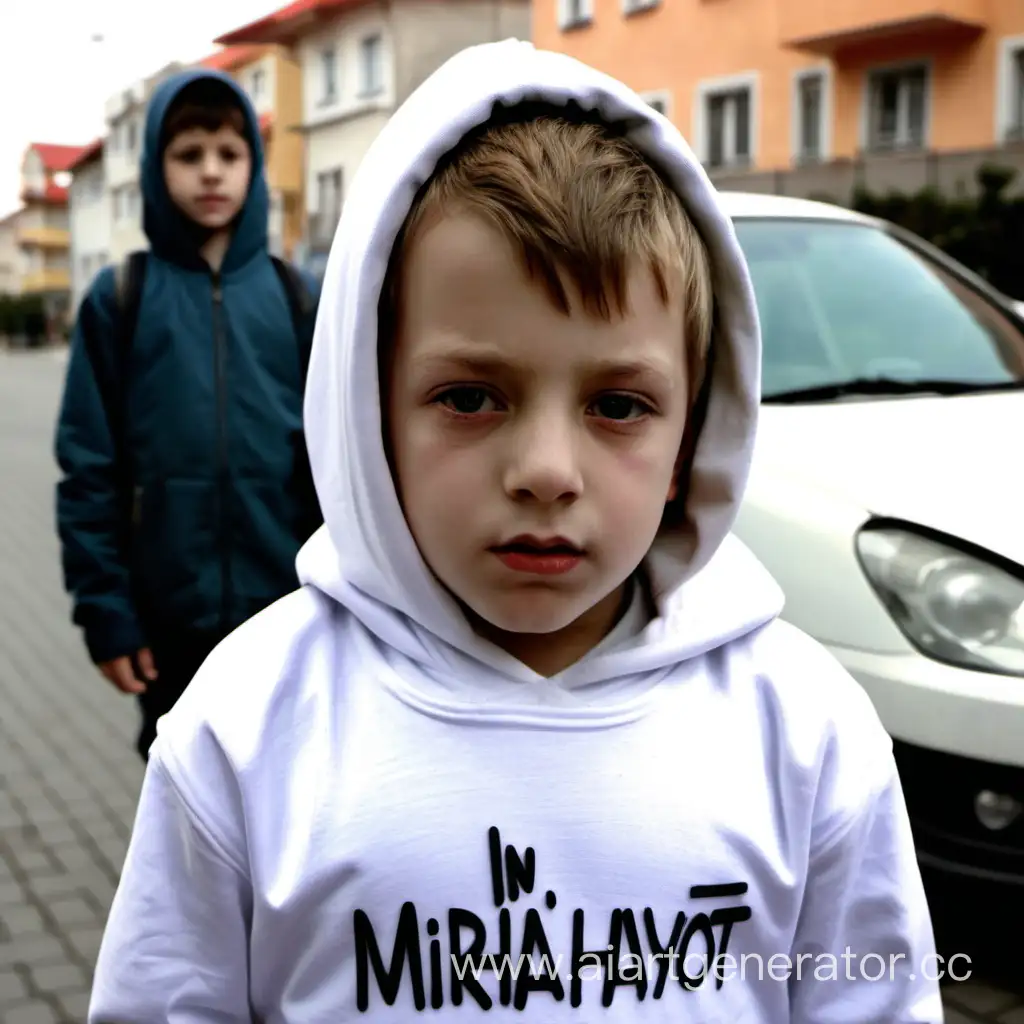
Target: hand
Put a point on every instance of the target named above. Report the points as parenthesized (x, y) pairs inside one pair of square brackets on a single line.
[(121, 671)]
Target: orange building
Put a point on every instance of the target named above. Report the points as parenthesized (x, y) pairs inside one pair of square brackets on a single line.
[(768, 85), (42, 230), (273, 80)]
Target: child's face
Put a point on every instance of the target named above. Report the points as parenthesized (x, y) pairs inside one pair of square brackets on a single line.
[(207, 174), (508, 418)]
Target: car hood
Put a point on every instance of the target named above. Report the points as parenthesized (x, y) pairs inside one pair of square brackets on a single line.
[(952, 464)]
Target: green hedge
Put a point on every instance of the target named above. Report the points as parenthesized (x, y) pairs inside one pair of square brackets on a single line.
[(22, 316), (984, 232)]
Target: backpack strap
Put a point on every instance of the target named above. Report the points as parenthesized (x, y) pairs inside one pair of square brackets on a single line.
[(129, 275), (301, 304)]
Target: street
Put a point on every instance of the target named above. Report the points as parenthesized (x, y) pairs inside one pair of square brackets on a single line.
[(69, 775)]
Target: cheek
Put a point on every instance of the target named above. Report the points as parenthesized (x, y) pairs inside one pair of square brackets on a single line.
[(437, 455), (643, 463), (435, 469), (176, 181)]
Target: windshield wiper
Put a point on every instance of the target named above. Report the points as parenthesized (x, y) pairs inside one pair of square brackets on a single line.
[(887, 386)]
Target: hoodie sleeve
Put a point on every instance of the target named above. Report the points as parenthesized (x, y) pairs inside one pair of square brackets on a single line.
[(864, 947), (176, 942), (89, 502)]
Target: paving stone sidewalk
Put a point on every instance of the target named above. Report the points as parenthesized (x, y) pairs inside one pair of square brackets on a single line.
[(69, 776)]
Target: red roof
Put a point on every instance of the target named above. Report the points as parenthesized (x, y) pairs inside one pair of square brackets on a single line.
[(288, 23), (54, 194), (88, 153), (57, 158), (232, 57)]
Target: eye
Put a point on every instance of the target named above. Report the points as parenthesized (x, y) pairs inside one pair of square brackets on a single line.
[(619, 407), (189, 156), (465, 400), (228, 155)]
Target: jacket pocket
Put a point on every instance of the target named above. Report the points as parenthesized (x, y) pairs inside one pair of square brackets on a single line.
[(174, 545)]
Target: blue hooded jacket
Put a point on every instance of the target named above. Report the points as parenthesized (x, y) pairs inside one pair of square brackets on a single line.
[(197, 524)]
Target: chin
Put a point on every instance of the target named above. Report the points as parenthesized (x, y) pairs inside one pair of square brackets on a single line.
[(214, 222), (532, 611)]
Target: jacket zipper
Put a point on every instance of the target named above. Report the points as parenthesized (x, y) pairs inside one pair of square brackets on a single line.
[(224, 533)]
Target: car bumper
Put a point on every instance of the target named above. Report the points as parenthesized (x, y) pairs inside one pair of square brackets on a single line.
[(956, 735), (922, 702)]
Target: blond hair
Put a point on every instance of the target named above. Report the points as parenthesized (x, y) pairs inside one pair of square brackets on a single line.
[(577, 199)]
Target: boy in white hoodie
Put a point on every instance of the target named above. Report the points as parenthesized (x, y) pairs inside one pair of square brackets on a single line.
[(531, 742)]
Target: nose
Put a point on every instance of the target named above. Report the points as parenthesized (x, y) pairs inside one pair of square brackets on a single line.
[(544, 464), (211, 166)]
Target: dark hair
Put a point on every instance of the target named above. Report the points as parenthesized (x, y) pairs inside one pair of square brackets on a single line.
[(205, 103)]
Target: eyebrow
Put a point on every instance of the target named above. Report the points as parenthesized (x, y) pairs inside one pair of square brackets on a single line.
[(474, 361)]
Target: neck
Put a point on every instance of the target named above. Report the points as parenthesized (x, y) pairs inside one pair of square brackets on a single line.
[(550, 653), (215, 249)]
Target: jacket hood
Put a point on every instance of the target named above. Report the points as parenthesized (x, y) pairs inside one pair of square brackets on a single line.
[(171, 235), (708, 588)]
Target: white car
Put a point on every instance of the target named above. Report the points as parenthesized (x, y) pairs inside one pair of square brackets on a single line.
[(887, 498)]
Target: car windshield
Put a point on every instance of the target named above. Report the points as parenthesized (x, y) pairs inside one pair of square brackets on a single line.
[(845, 302)]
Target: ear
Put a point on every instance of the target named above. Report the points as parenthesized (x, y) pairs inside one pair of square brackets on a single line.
[(673, 487)]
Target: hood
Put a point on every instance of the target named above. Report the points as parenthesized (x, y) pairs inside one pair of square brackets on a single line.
[(170, 235), (364, 556), (948, 464)]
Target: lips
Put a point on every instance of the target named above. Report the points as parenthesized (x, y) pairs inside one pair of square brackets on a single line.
[(539, 556), (530, 544)]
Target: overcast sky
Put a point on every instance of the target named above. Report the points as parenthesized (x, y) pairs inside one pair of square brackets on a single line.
[(54, 78)]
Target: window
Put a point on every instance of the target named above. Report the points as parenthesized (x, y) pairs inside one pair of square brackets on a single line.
[(257, 84), (810, 117), (132, 130), (659, 101), (897, 109), (634, 6), (328, 207), (840, 301), (1015, 128), (328, 76), (371, 65), (729, 128), (1018, 93), (574, 13)]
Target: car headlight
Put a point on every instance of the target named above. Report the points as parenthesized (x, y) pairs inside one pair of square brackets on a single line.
[(952, 606)]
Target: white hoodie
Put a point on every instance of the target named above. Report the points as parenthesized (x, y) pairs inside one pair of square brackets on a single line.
[(356, 791)]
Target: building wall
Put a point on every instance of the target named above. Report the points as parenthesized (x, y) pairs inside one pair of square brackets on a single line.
[(121, 155), (285, 152), (90, 225), (126, 121), (339, 146), (43, 240), (10, 256), (343, 110), (415, 38), (683, 49), (343, 38), (428, 32)]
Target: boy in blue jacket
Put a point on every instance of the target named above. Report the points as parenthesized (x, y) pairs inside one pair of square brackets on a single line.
[(186, 492)]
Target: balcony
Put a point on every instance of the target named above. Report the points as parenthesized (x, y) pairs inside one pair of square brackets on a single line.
[(53, 279), (825, 28), (44, 237)]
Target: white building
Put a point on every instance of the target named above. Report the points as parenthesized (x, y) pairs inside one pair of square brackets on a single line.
[(357, 66), (10, 255), (89, 220), (126, 118)]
